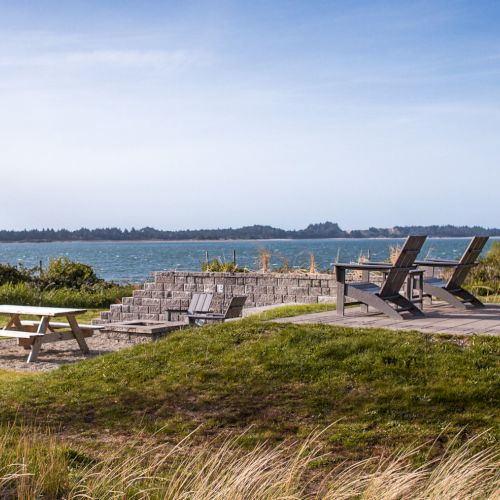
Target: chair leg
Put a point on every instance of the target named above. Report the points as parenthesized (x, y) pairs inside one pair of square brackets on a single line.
[(340, 298), (443, 294), (468, 297), (370, 299), (403, 302)]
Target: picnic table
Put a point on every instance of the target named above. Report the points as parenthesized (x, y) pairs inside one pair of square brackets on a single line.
[(31, 334)]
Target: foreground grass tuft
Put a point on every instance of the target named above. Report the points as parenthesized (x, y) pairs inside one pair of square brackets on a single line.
[(40, 466)]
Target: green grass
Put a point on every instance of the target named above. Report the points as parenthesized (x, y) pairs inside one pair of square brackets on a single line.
[(385, 388), (293, 310), (26, 294)]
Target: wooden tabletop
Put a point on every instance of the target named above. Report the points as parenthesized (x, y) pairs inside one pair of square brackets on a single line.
[(39, 311)]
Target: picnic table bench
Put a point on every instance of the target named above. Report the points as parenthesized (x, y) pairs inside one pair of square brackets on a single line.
[(31, 334)]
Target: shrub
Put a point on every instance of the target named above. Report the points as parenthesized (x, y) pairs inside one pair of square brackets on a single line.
[(64, 273), (15, 274), (485, 277), (217, 266)]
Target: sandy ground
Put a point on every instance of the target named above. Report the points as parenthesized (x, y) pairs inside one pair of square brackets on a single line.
[(55, 354)]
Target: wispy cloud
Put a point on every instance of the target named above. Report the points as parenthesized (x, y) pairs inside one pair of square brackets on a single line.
[(117, 58)]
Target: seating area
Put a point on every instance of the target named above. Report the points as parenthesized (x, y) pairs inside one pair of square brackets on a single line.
[(406, 282)]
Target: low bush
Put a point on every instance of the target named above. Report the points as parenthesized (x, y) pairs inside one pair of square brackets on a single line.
[(65, 273), (485, 277), (16, 274)]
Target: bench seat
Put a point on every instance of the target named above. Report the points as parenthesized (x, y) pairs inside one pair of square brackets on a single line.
[(19, 334), (55, 324)]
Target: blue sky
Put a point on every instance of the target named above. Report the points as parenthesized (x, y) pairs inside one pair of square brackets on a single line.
[(215, 114)]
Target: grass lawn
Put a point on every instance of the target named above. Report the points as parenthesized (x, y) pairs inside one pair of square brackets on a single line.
[(384, 389)]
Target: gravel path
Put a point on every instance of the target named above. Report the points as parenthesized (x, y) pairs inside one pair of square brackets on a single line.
[(55, 354)]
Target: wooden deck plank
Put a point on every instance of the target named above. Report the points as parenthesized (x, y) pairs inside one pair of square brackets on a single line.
[(439, 318)]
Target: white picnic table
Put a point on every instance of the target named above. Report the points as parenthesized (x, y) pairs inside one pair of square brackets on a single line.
[(32, 334)]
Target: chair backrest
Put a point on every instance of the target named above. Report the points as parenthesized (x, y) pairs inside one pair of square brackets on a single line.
[(200, 302), (400, 269), (467, 261), (235, 307)]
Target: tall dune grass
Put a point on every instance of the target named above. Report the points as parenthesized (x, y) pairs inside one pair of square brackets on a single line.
[(34, 465)]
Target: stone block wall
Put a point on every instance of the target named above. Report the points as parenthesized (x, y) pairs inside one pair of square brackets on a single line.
[(172, 291)]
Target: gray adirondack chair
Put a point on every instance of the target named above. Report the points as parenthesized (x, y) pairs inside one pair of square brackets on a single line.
[(381, 296), (200, 303), (451, 291), (233, 310)]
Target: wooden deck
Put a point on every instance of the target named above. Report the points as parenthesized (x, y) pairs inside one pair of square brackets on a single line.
[(439, 318)]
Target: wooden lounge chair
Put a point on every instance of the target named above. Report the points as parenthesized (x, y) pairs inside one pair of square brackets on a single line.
[(233, 310), (381, 297), (451, 291)]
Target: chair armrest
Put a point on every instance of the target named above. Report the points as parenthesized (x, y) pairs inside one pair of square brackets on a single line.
[(437, 263), (367, 267)]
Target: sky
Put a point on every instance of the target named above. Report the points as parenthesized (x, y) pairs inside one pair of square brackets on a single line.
[(206, 114)]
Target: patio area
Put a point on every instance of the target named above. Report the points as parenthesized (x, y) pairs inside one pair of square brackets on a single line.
[(439, 318)]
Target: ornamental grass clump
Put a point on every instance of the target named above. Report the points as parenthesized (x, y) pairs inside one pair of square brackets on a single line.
[(40, 466)]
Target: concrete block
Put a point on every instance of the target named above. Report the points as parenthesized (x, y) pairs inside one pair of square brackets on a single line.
[(265, 281), (237, 289), (151, 302), (288, 282), (326, 299), (129, 316), (170, 304), (306, 299)]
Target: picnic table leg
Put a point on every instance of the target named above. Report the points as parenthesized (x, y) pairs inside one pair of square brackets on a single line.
[(77, 332), (37, 342), (13, 322)]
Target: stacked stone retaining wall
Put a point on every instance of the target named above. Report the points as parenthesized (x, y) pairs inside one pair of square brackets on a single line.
[(170, 291)]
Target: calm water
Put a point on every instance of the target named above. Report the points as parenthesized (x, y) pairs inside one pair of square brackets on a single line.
[(134, 262)]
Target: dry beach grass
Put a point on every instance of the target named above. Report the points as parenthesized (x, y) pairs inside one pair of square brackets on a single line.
[(41, 466)]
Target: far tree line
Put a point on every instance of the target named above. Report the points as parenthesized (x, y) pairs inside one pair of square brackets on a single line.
[(255, 232)]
